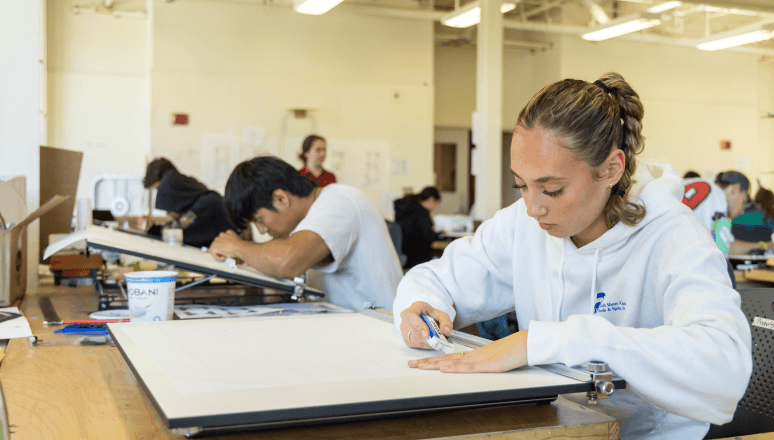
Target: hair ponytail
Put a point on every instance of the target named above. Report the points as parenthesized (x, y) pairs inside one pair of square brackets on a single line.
[(595, 119), (619, 208)]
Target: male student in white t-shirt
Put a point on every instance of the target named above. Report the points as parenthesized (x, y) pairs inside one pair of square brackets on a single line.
[(336, 231)]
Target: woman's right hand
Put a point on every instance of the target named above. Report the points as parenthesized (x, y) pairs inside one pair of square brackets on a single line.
[(413, 328)]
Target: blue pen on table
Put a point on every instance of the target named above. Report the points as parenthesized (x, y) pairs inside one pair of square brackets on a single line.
[(436, 339), (84, 329)]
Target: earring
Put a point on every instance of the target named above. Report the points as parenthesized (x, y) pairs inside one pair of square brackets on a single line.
[(610, 186)]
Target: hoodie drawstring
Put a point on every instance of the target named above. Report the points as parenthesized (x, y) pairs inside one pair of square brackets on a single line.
[(561, 277), (594, 281)]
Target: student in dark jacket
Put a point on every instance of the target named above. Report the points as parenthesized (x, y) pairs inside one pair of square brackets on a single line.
[(199, 211), (412, 213)]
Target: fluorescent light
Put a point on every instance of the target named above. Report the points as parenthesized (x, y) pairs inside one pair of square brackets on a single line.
[(665, 6), (470, 14), (506, 7), (765, 33), (314, 7), (733, 11), (622, 26)]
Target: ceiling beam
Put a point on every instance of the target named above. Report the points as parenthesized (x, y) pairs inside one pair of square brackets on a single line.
[(750, 5)]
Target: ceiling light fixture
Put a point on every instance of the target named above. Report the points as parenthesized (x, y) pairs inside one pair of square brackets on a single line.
[(724, 41), (663, 7), (622, 26), (470, 14), (314, 7)]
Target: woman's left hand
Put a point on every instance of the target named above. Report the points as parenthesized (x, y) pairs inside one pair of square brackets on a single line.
[(496, 357)]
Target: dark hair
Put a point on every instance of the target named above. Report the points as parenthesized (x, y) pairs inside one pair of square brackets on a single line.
[(691, 174), (155, 171), (727, 178), (252, 183), (765, 199), (428, 192), (307, 145), (595, 119)]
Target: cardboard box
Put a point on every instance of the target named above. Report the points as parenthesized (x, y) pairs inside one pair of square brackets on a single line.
[(13, 239)]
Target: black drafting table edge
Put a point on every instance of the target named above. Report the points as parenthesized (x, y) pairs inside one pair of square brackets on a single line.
[(209, 271), (138, 377), (361, 410)]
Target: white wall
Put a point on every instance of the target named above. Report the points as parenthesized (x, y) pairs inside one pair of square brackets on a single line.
[(524, 74), (98, 99), (20, 106), (692, 99), (367, 80)]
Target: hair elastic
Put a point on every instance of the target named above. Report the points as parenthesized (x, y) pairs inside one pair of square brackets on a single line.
[(602, 86)]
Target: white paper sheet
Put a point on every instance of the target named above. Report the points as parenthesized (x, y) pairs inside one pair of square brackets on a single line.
[(265, 353), (275, 353), (16, 327)]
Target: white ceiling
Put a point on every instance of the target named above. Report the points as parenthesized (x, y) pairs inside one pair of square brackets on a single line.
[(533, 21)]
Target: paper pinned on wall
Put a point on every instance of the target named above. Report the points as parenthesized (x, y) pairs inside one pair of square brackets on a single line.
[(341, 160), (255, 143), (399, 167), (336, 160), (373, 159), (219, 155), (253, 136)]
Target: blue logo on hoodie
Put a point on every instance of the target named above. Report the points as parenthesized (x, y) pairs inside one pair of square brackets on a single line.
[(600, 297), (603, 307)]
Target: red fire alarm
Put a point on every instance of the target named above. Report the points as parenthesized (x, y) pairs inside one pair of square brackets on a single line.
[(725, 145), (179, 119)]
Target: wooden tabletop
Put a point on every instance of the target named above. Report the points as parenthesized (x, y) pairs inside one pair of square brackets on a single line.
[(64, 391)]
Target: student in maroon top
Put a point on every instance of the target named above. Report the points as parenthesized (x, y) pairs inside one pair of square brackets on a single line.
[(313, 155)]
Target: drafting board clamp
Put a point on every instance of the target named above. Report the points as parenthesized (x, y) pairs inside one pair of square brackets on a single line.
[(212, 376), (184, 257)]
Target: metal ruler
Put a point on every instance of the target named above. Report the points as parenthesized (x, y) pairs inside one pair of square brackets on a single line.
[(49, 313)]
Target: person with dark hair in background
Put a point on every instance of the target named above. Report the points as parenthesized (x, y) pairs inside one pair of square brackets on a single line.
[(601, 261), (336, 231), (198, 211), (765, 199), (313, 152), (690, 174), (412, 213), (751, 232)]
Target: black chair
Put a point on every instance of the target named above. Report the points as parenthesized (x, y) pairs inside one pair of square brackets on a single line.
[(755, 412), (396, 234)]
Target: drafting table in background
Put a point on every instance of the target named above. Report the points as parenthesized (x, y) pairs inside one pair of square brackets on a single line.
[(184, 257), (210, 376)]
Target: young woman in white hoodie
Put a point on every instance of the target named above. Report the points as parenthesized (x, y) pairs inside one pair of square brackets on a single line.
[(601, 261)]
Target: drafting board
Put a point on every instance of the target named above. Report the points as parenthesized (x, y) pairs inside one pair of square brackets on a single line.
[(282, 371), (184, 257)]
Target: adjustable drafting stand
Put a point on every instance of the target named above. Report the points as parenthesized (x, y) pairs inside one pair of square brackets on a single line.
[(184, 257), (311, 369)]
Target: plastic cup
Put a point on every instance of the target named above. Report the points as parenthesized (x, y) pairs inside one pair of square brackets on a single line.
[(151, 295)]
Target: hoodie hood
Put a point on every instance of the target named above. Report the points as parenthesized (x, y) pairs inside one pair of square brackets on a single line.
[(659, 188), (178, 193), (405, 209)]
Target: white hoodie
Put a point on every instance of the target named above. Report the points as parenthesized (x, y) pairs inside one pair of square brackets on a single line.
[(654, 301)]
